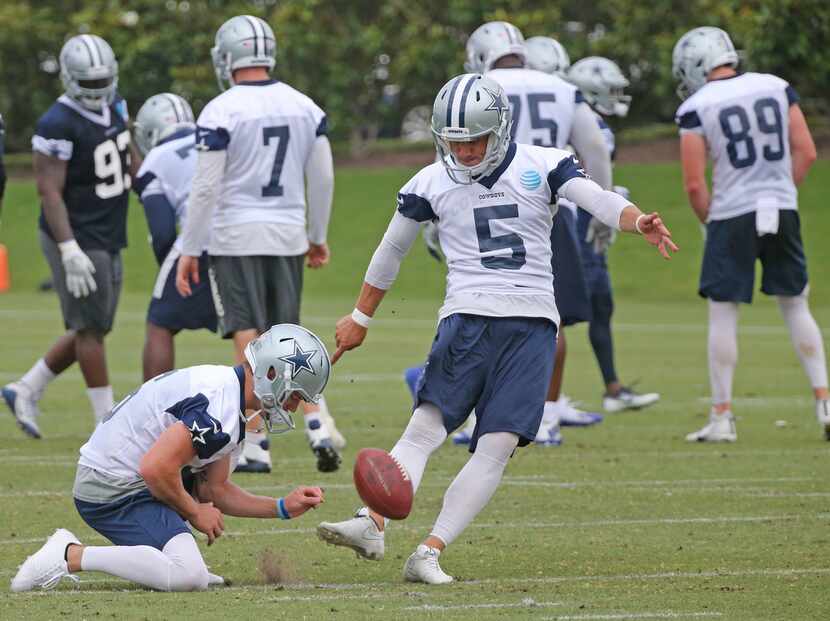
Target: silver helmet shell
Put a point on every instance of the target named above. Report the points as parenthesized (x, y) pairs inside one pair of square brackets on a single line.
[(697, 53), (89, 71), (242, 41), (492, 41), (467, 107), (602, 83), (547, 54), (159, 117), (284, 360)]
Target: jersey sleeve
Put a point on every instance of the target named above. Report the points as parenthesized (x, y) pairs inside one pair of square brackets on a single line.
[(53, 137), (413, 200), (688, 119), (562, 171), (212, 128), (206, 432)]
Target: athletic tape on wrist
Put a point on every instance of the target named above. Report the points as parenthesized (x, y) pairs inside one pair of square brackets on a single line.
[(637, 223), (361, 318), (282, 512)]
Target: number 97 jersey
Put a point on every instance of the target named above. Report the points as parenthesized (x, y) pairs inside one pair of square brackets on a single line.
[(95, 147), (745, 122)]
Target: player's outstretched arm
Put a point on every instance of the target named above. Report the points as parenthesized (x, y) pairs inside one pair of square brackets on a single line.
[(651, 227), (214, 486), (351, 329)]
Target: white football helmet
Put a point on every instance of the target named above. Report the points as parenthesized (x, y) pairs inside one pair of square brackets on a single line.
[(602, 83), (89, 71), (697, 53), (492, 41), (242, 41), (284, 360), (467, 107), (162, 115), (547, 54)]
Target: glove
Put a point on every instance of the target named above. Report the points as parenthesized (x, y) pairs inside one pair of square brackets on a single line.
[(623, 191), (600, 235), (430, 233), (79, 269)]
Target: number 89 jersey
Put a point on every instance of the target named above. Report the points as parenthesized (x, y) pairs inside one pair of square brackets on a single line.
[(95, 147), (495, 233), (745, 122)]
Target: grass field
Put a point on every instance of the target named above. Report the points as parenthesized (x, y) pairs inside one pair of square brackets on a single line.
[(624, 521)]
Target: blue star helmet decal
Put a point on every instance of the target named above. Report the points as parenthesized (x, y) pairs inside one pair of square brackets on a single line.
[(300, 360), (496, 103)]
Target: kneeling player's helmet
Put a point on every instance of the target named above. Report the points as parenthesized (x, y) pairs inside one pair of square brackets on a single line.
[(492, 41), (547, 54), (242, 41), (467, 107), (284, 360), (697, 53), (89, 71), (602, 83), (162, 115)]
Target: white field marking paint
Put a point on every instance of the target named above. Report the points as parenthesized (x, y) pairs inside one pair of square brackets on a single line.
[(636, 615), (739, 519), (528, 602)]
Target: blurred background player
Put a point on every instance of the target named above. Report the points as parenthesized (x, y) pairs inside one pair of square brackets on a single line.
[(263, 151), (752, 127), (165, 132), (160, 464), (494, 348), (84, 164), (602, 83)]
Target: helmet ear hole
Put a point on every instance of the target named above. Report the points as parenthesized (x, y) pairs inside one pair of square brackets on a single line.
[(272, 374)]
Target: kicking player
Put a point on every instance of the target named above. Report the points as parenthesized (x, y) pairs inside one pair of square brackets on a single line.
[(259, 142), (494, 348), (160, 463), (752, 127), (165, 132), (602, 83), (84, 165)]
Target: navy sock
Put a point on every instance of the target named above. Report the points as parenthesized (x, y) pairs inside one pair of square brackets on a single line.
[(599, 331)]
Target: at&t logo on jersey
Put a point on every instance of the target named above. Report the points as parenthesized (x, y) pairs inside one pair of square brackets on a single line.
[(530, 180)]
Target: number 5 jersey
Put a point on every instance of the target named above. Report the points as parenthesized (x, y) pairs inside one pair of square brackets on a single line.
[(96, 149), (745, 122)]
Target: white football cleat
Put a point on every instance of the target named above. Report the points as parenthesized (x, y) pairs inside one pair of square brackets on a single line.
[(823, 416), (721, 428), (422, 566), (360, 533), (328, 459), (549, 433), (23, 404), (571, 416), (46, 567), (627, 399), (255, 457), (214, 580)]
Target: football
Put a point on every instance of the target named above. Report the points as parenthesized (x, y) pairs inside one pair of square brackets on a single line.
[(383, 483)]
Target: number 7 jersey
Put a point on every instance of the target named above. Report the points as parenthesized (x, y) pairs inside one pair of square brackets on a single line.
[(745, 122)]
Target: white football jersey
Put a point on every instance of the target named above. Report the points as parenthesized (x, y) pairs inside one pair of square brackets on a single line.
[(745, 122), (168, 170), (542, 105), (268, 129), (208, 400), (495, 233)]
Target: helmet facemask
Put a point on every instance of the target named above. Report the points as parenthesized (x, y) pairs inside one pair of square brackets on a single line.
[(89, 71), (493, 155)]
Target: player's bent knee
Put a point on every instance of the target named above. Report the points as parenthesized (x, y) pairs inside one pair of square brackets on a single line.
[(189, 578), (426, 427)]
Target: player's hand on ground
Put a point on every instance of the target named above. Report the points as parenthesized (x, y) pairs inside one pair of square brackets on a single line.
[(208, 519), (347, 335), (318, 255), (79, 269), (656, 233), (187, 271), (303, 498)]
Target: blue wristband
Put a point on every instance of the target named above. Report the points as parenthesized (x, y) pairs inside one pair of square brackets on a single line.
[(282, 513)]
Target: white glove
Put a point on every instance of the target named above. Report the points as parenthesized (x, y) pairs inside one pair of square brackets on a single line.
[(622, 191), (430, 233), (79, 269), (600, 235)]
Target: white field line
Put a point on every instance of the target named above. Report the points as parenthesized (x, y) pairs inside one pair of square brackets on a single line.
[(635, 615), (725, 519), (526, 603), (370, 586)]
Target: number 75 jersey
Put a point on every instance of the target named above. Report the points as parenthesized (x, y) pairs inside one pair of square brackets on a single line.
[(745, 122), (95, 147), (495, 233)]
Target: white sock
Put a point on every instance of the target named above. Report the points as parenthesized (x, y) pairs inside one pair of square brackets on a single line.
[(723, 349), (101, 400), (473, 487), (312, 420), (424, 433), (324, 407), (550, 413), (806, 337), (38, 377), (179, 567)]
